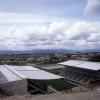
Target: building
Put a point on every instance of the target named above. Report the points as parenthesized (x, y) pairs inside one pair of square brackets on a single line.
[(81, 72), (24, 79)]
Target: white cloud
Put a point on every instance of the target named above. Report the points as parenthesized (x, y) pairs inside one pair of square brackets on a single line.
[(93, 7), (54, 35)]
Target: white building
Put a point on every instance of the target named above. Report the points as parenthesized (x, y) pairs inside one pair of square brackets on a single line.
[(23, 79), (81, 72)]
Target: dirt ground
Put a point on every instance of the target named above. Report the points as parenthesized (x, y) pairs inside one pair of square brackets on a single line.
[(86, 95)]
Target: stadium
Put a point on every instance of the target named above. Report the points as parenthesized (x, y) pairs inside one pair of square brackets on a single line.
[(81, 72), (25, 79), (18, 80)]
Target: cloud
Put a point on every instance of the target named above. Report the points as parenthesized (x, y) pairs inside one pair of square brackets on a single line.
[(93, 7), (61, 34)]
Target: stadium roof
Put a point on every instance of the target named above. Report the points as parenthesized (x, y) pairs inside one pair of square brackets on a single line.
[(82, 64), (10, 73)]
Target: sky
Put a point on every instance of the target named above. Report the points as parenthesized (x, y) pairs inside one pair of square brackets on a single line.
[(49, 24)]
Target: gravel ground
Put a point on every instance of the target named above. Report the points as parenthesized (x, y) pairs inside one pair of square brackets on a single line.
[(87, 95)]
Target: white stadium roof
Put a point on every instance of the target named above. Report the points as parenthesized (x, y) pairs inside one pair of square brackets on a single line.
[(34, 73), (82, 64), (40, 75), (10, 73), (71, 62)]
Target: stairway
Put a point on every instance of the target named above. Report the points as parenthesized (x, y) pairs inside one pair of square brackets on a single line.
[(35, 87)]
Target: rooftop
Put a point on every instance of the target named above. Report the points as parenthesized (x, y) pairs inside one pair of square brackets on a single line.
[(10, 73), (82, 64)]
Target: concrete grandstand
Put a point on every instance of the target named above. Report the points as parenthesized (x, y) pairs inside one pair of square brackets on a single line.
[(24, 79), (81, 72)]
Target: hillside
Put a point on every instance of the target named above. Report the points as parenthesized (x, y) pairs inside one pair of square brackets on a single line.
[(79, 93)]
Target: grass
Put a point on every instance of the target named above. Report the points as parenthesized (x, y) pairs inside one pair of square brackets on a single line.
[(59, 85)]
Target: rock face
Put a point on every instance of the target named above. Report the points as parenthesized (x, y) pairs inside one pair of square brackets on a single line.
[(75, 95)]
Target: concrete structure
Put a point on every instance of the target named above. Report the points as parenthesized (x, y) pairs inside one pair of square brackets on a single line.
[(23, 79), (81, 72), (51, 66)]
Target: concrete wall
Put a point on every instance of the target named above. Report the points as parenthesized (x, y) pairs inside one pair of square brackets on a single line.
[(15, 88)]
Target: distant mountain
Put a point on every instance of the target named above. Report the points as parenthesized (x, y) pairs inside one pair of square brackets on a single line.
[(91, 50), (38, 51), (46, 51)]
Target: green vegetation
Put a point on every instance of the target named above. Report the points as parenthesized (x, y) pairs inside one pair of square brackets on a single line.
[(59, 85), (95, 58)]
